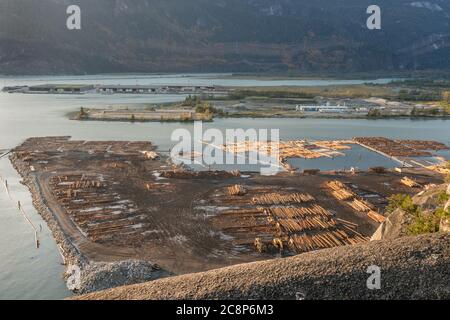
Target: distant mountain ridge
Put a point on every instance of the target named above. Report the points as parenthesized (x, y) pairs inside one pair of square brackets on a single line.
[(222, 36)]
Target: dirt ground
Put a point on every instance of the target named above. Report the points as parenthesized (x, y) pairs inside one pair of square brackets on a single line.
[(112, 202)]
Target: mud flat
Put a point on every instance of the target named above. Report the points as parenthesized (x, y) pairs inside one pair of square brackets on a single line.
[(124, 214)]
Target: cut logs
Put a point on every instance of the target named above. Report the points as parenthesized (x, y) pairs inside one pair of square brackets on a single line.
[(237, 190), (296, 212), (278, 198), (99, 214), (340, 191), (304, 243), (375, 216), (283, 222), (361, 205), (343, 193), (410, 183)]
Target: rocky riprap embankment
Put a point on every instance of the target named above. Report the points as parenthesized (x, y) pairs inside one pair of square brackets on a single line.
[(100, 275), (411, 268), (94, 276), (71, 254), (396, 224)]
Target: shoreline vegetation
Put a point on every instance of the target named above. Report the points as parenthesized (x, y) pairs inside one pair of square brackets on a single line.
[(364, 102), (129, 118)]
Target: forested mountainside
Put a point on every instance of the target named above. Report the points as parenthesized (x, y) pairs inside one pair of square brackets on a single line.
[(222, 36)]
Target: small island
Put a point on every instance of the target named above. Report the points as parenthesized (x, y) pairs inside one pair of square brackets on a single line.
[(191, 109)]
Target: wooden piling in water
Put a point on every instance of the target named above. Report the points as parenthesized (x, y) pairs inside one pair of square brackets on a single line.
[(5, 183), (61, 253), (36, 237)]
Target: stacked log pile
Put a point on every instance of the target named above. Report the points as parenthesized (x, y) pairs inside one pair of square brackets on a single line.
[(279, 198), (375, 216), (298, 212), (392, 148), (299, 225), (361, 205), (185, 174), (304, 243), (410, 182), (99, 214), (281, 221), (340, 191), (291, 149), (237, 190), (343, 193), (424, 144)]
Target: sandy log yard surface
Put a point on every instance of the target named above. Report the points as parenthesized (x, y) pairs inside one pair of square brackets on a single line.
[(114, 201)]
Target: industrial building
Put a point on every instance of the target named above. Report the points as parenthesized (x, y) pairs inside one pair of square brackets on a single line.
[(322, 108), (59, 89)]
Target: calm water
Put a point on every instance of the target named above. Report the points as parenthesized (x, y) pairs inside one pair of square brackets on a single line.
[(357, 157), (178, 79), (28, 273)]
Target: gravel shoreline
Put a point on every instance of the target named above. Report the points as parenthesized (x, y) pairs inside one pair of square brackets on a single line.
[(93, 275)]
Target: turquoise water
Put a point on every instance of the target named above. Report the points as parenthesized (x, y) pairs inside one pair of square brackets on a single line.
[(28, 273)]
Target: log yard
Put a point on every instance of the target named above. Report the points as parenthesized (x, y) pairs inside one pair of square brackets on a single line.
[(256, 150), (114, 201)]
